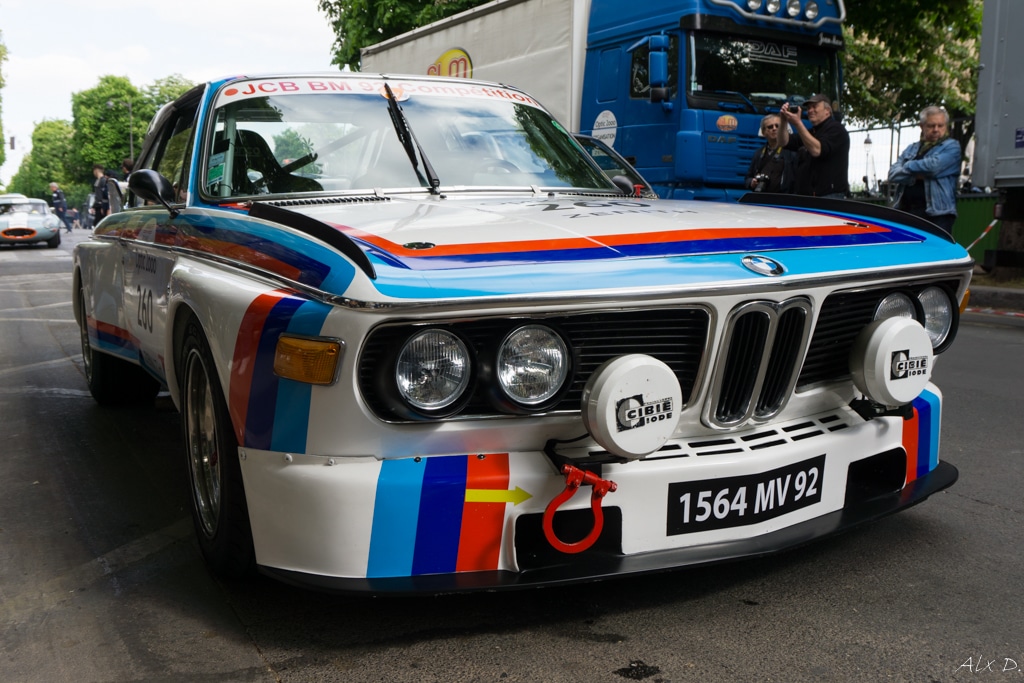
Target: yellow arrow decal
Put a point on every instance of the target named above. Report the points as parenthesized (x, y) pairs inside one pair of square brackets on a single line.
[(515, 497)]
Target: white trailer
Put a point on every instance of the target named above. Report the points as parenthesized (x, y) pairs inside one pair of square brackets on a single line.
[(999, 150), (536, 45)]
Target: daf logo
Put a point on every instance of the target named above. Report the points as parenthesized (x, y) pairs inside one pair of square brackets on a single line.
[(762, 265)]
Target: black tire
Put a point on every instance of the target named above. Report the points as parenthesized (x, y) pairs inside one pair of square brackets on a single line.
[(219, 509), (113, 382), (54, 241)]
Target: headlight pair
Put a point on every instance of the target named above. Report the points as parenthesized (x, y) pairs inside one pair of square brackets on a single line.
[(932, 307), (434, 367)]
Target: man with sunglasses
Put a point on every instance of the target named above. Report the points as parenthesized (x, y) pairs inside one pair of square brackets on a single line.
[(823, 150), (772, 168)]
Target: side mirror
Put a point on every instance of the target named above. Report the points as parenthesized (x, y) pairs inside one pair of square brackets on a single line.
[(657, 68), (152, 187), (657, 64)]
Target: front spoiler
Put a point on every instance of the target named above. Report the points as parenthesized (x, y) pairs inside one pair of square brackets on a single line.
[(607, 565)]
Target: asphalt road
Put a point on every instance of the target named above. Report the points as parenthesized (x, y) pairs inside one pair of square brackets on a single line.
[(101, 580)]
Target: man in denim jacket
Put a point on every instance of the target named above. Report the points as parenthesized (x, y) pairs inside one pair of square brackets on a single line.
[(927, 171)]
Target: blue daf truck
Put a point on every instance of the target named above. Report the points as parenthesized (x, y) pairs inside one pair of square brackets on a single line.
[(677, 87)]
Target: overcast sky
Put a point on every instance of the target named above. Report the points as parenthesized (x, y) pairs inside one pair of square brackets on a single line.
[(59, 47)]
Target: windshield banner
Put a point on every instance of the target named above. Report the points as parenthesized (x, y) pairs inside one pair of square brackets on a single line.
[(403, 89)]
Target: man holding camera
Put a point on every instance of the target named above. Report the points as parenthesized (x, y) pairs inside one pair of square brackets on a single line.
[(823, 150), (772, 168)]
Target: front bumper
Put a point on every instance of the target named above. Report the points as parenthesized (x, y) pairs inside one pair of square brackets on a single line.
[(598, 565), (473, 522)]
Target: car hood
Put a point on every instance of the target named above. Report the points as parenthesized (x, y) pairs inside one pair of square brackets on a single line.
[(459, 247)]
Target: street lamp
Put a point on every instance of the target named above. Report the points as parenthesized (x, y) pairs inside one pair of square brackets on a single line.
[(131, 133), (869, 166)]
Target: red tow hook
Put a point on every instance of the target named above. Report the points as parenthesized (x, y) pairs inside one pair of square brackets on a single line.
[(574, 478)]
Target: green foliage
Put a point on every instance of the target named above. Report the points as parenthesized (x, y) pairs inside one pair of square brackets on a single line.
[(290, 145), (358, 23), (165, 90), (101, 122), (51, 147), (904, 55), (110, 120)]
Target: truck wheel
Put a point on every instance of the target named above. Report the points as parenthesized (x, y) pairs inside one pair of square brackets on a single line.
[(112, 381), (219, 510)]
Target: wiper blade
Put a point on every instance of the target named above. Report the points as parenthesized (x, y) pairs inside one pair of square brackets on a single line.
[(738, 94), (410, 143)]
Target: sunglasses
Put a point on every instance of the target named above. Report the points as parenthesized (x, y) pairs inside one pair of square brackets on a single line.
[(771, 126)]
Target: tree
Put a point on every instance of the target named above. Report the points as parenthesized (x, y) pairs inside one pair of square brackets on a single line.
[(161, 91), (358, 23), (905, 55), (51, 147), (102, 121)]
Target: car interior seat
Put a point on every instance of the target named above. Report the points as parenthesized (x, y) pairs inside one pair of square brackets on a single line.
[(256, 171)]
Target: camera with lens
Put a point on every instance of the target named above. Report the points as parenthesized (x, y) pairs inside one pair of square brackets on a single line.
[(761, 182)]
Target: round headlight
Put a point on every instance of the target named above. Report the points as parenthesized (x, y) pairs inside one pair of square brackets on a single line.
[(896, 305), (812, 10), (753, 5), (432, 370), (792, 7), (938, 314), (773, 6), (533, 363)]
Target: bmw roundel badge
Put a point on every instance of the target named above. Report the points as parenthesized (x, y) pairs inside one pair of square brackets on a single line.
[(762, 265)]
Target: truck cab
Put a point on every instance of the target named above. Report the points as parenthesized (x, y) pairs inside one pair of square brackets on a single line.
[(679, 88)]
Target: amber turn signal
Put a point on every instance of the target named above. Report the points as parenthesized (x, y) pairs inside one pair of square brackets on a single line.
[(313, 361)]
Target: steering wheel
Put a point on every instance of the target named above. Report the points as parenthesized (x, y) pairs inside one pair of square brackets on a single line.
[(492, 164)]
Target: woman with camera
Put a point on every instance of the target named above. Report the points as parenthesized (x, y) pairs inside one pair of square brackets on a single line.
[(772, 168)]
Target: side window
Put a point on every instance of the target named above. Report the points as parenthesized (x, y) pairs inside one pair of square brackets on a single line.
[(639, 80), (172, 155)]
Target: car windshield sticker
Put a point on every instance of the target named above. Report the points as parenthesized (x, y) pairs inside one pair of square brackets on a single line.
[(244, 90), (216, 171)]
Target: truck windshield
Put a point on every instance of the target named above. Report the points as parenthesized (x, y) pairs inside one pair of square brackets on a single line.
[(340, 137), (756, 76)]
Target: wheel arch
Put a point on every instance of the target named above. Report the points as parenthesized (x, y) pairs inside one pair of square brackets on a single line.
[(218, 300)]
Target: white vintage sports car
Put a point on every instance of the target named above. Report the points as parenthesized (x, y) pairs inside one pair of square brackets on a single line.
[(420, 342), (25, 220)]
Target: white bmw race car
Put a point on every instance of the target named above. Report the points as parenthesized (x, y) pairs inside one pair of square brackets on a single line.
[(420, 342)]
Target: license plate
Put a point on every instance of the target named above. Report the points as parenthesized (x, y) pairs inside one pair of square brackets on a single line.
[(738, 501)]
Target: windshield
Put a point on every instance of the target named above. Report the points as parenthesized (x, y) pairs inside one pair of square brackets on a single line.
[(25, 207), (757, 76), (340, 134)]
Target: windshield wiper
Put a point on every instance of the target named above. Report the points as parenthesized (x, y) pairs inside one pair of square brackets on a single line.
[(411, 144), (738, 94)]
